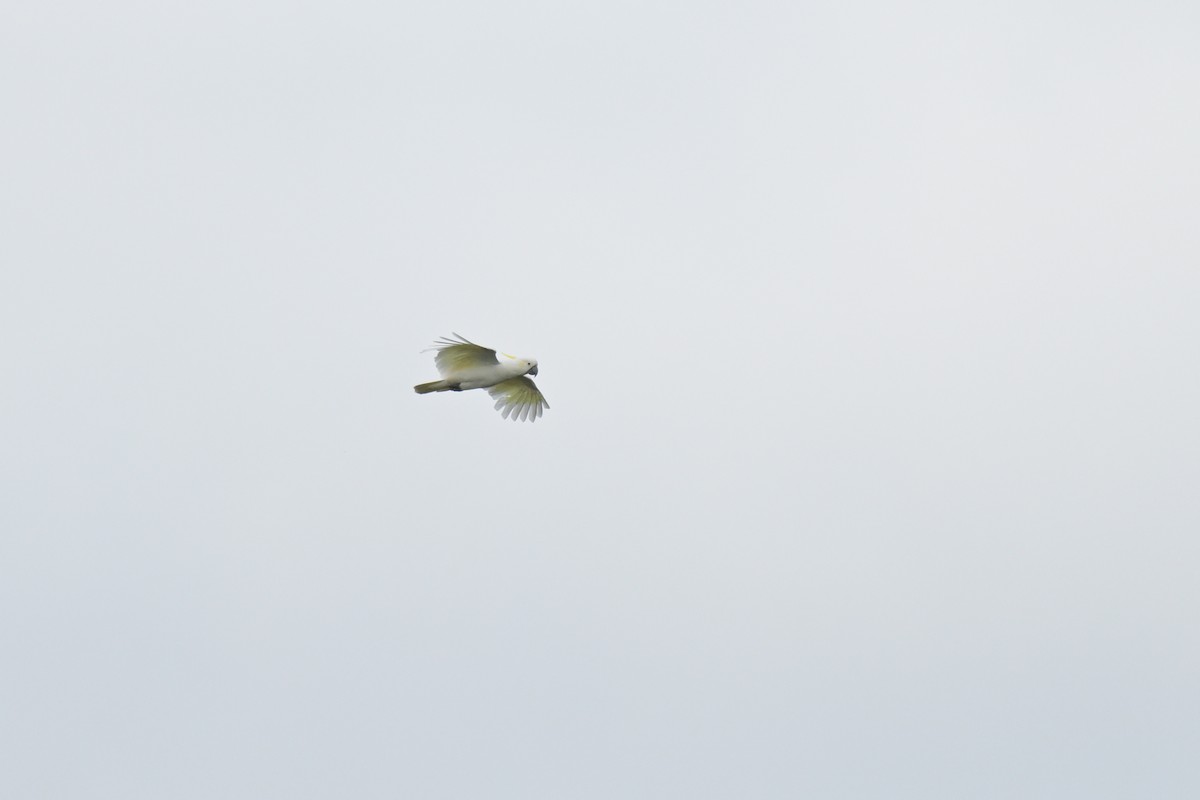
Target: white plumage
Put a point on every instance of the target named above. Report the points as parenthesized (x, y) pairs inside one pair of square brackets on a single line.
[(465, 365)]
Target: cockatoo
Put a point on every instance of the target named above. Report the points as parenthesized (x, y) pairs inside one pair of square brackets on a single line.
[(466, 365)]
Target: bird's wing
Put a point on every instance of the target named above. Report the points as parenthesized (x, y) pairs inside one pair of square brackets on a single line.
[(459, 354), (520, 398)]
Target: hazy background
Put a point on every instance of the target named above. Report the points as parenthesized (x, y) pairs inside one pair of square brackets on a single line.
[(870, 333)]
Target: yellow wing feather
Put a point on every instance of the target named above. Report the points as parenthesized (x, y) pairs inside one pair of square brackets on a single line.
[(458, 354), (520, 398)]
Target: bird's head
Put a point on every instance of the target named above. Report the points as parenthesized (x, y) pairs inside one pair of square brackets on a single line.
[(532, 367)]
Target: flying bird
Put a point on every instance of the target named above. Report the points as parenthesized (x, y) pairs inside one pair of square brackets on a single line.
[(465, 365)]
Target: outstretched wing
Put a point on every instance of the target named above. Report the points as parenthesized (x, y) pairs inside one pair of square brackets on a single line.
[(520, 398), (458, 354)]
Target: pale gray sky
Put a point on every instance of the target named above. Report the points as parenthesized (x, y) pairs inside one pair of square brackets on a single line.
[(869, 332)]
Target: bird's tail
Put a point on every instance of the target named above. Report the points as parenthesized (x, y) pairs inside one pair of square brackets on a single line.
[(434, 386)]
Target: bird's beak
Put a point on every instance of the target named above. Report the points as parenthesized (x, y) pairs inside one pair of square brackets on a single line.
[(533, 370)]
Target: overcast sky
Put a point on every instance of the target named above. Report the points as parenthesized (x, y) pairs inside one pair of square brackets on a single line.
[(870, 334)]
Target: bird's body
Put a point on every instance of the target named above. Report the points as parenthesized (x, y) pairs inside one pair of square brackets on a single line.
[(483, 376), (465, 365)]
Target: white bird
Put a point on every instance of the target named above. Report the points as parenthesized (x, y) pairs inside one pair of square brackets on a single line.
[(465, 365)]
